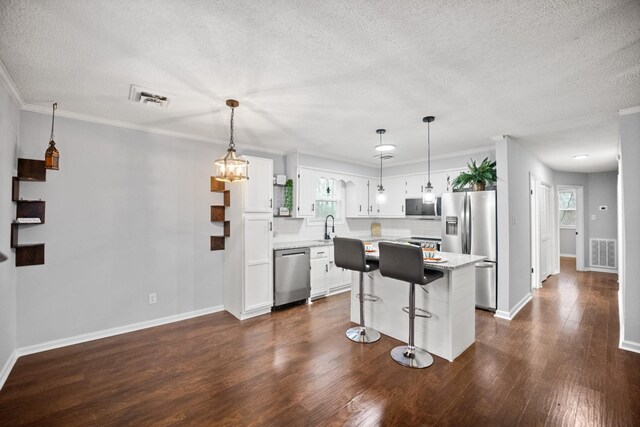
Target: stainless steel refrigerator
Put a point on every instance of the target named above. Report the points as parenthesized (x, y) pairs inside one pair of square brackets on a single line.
[(469, 227)]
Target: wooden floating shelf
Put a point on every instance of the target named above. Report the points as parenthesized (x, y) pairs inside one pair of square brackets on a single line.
[(28, 170), (218, 214), (30, 254)]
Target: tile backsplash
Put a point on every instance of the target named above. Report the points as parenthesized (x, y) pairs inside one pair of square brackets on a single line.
[(294, 229)]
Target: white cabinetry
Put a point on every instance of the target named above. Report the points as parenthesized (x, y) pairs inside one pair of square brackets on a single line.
[(414, 185), (259, 194), (357, 197), (326, 276), (394, 206), (248, 256), (306, 193), (319, 271)]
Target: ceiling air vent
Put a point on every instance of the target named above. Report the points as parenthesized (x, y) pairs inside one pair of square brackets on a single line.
[(148, 97)]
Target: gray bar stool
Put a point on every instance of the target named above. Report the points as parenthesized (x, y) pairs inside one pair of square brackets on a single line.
[(404, 262), (349, 254)]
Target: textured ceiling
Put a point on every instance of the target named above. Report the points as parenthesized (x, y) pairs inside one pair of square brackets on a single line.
[(323, 76)]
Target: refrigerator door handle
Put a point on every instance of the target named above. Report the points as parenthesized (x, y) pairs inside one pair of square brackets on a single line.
[(469, 225)]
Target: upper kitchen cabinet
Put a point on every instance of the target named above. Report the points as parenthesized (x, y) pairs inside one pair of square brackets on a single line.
[(258, 195), (394, 205), (414, 185), (357, 197), (306, 193)]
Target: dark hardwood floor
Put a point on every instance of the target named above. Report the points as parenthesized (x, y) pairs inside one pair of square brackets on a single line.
[(556, 363)]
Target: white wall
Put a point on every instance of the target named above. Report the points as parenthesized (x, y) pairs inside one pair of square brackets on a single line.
[(515, 164), (9, 127), (567, 241), (630, 230), (127, 214), (602, 192)]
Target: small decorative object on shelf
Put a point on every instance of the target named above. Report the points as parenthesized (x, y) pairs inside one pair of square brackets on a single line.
[(52, 156), (288, 195), (477, 175)]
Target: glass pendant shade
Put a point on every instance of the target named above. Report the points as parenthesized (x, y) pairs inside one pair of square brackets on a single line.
[(381, 196), (230, 168), (428, 196), (52, 155), (385, 147)]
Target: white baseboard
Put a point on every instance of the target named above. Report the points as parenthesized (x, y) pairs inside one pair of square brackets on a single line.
[(78, 339), (602, 270), (509, 315), (8, 366), (568, 255), (630, 346)]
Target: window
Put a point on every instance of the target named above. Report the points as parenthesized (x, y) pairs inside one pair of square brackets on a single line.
[(567, 208), (328, 198)]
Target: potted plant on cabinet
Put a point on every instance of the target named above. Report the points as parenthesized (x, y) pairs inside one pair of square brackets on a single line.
[(477, 175)]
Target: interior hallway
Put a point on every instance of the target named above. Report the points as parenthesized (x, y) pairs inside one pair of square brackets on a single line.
[(556, 362)]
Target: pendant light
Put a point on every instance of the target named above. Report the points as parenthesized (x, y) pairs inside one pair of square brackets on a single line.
[(52, 156), (428, 196), (381, 196), (229, 168)]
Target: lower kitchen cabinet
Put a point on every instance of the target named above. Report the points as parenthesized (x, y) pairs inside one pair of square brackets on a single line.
[(326, 276)]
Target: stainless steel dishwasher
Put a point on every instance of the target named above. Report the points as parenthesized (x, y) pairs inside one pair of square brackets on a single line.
[(292, 276)]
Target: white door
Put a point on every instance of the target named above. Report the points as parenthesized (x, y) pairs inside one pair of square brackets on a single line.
[(357, 197), (535, 231), (306, 193), (545, 231), (258, 256), (258, 195), (319, 273)]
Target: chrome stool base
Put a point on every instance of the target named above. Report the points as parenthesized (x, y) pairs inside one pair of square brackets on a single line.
[(417, 358), (363, 334)]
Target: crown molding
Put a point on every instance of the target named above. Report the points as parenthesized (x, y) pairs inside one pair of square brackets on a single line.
[(11, 86), (148, 129), (482, 149), (632, 110)]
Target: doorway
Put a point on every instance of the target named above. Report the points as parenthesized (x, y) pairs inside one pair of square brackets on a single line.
[(570, 200), (541, 218)]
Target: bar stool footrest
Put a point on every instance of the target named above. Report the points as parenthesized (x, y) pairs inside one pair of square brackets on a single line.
[(368, 297), (426, 316)]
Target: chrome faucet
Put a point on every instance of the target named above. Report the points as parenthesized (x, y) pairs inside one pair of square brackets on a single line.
[(326, 227)]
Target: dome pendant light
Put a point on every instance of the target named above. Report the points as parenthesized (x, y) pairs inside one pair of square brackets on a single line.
[(381, 196), (52, 156), (229, 168), (428, 196)]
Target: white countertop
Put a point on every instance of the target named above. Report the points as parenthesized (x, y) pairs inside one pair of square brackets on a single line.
[(454, 261)]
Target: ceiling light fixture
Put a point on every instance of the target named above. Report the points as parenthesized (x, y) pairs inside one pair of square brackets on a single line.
[(52, 156), (428, 196), (580, 156), (230, 168), (381, 196), (385, 147)]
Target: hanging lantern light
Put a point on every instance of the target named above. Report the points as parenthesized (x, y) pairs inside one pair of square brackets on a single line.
[(230, 168), (428, 196), (52, 156), (381, 196)]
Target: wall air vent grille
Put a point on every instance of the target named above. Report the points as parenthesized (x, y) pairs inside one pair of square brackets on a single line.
[(148, 97), (603, 253)]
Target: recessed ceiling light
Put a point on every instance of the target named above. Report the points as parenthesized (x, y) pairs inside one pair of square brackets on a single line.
[(580, 156)]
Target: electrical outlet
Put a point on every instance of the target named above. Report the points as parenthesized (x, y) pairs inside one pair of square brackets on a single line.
[(153, 298)]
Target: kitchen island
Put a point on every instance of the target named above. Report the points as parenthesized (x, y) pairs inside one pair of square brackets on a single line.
[(450, 300)]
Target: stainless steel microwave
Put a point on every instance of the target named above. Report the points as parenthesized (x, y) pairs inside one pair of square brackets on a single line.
[(416, 208)]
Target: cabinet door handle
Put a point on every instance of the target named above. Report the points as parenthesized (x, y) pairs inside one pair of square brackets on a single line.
[(360, 208), (422, 188), (270, 226), (270, 203), (313, 207), (326, 268), (402, 208)]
